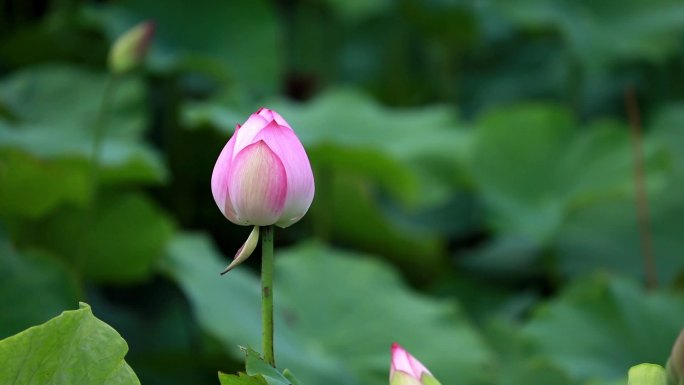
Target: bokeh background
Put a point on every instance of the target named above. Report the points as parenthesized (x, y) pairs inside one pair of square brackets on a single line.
[(475, 173)]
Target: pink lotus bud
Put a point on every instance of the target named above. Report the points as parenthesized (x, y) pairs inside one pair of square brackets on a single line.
[(406, 370), (130, 49), (263, 175)]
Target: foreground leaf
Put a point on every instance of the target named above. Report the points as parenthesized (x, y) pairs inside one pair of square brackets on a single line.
[(241, 379), (293, 380), (256, 366), (258, 372), (73, 348)]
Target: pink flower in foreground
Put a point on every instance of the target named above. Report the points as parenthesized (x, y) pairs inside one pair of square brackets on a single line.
[(406, 370), (263, 175)]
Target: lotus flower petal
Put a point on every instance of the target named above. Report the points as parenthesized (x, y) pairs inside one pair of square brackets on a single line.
[(220, 181), (271, 115), (258, 185), (405, 365), (300, 184), (249, 130)]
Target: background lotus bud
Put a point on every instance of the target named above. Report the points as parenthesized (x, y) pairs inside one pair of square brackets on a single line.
[(130, 49), (406, 370), (675, 365), (647, 374), (263, 175)]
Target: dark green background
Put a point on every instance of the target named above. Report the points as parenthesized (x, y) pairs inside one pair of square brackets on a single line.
[(474, 184)]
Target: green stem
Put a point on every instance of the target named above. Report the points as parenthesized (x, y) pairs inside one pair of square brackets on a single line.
[(100, 128), (267, 293)]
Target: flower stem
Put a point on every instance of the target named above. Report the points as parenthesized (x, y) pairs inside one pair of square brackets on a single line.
[(100, 128), (99, 131), (267, 293)]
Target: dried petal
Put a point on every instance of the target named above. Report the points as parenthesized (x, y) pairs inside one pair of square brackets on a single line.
[(245, 250)]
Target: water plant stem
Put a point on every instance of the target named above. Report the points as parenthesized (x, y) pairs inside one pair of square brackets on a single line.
[(267, 293), (99, 131)]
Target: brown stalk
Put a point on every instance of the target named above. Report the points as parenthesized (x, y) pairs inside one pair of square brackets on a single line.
[(641, 192)]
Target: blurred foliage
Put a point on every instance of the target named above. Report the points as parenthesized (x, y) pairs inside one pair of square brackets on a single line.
[(474, 186), (314, 341)]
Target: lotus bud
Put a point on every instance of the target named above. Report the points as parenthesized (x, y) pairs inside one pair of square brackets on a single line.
[(647, 374), (263, 175), (130, 49), (406, 370)]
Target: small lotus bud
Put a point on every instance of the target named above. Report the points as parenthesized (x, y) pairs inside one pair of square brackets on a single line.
[(647, 374), (263, 175), (406, 370), (130, 49)]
